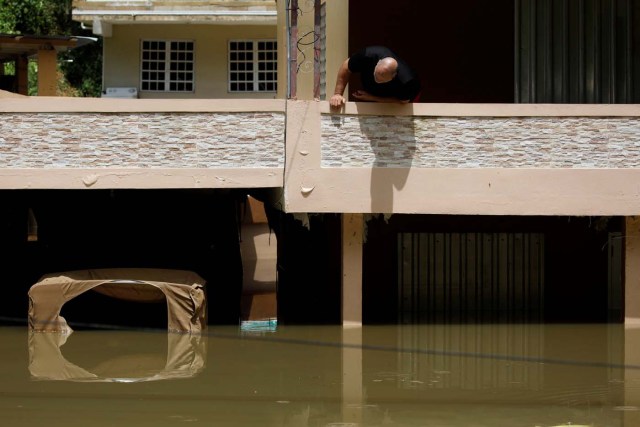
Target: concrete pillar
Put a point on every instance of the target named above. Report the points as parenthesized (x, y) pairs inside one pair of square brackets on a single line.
[(337, 50), (47, 72), (632, 319), (352, 238), (303, 43), (352, 389), (631, 376), (282, 49), (632, 270), (337, 18)]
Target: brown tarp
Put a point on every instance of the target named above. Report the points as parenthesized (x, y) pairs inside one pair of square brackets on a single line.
[(183, 290)]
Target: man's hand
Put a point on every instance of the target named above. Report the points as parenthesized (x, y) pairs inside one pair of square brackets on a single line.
[(337, 101)]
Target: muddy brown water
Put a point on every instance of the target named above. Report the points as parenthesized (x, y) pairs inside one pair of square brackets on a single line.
[(413, 375)]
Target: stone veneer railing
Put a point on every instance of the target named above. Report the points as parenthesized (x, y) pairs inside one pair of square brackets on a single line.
[(142, 140), (208, 143), (480, 142), (463, 159), (368, 158)]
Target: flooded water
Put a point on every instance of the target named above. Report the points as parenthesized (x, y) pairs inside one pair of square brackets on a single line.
[(478, 375)]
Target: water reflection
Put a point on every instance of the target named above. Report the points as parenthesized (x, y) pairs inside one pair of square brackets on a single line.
[(130, 357), (476, 375)]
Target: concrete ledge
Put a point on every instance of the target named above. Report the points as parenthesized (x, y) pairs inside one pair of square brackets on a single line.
[(54, 104), (467, 191), (484, 110), (140, 178)]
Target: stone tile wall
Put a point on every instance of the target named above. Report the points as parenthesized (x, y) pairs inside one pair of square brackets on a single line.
[(142, 140), (480, 142)]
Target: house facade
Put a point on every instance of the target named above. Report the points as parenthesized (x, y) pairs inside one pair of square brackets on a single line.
[(507, 194), (195, 49)]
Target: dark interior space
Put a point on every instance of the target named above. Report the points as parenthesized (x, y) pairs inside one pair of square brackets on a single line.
[(198, 231), (107, 312), (635, 42), (576, 52), (308, 267), (193, 230), (463, 51), (576, 261)]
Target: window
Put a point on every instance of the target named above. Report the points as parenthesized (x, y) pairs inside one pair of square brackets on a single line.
[(167, 66), (253, 66)]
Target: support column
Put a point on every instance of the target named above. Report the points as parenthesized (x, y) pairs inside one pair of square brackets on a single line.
[(631, 376), (302, 40), (352, 389), (22, 75), (283, 53), (352, 238), (631, 317), (47, 72), (632, 270), (337, 40)]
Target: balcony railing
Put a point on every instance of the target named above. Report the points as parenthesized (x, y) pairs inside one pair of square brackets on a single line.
[(493, 159), (132, 143)]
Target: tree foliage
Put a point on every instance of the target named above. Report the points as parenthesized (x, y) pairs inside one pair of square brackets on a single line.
[(35, 17), (82, 67)]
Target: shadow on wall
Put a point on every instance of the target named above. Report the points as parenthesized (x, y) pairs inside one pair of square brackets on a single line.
[(393, 143)]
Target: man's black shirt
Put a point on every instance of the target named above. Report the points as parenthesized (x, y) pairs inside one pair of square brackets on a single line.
[(404, 86)]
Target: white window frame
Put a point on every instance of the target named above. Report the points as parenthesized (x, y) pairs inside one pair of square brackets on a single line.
[(187, 63), (253, 76)]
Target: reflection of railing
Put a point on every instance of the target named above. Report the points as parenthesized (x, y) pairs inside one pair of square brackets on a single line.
[(472, 357)]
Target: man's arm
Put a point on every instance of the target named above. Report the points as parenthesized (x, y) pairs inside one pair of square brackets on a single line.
[(361, 95), (337, 100)]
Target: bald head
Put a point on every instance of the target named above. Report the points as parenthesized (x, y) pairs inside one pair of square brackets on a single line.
[(385, 70)]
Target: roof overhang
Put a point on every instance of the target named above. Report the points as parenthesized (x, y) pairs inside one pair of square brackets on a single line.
[(267, 17), (15, 45), (228, 12)]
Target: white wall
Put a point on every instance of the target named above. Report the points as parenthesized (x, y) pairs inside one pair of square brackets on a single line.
[(122, 56)]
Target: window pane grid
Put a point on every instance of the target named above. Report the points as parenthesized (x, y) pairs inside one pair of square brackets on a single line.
[(167, 66), (253, 65)]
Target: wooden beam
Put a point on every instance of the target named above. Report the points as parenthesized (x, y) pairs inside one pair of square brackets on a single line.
[(38, 42)]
